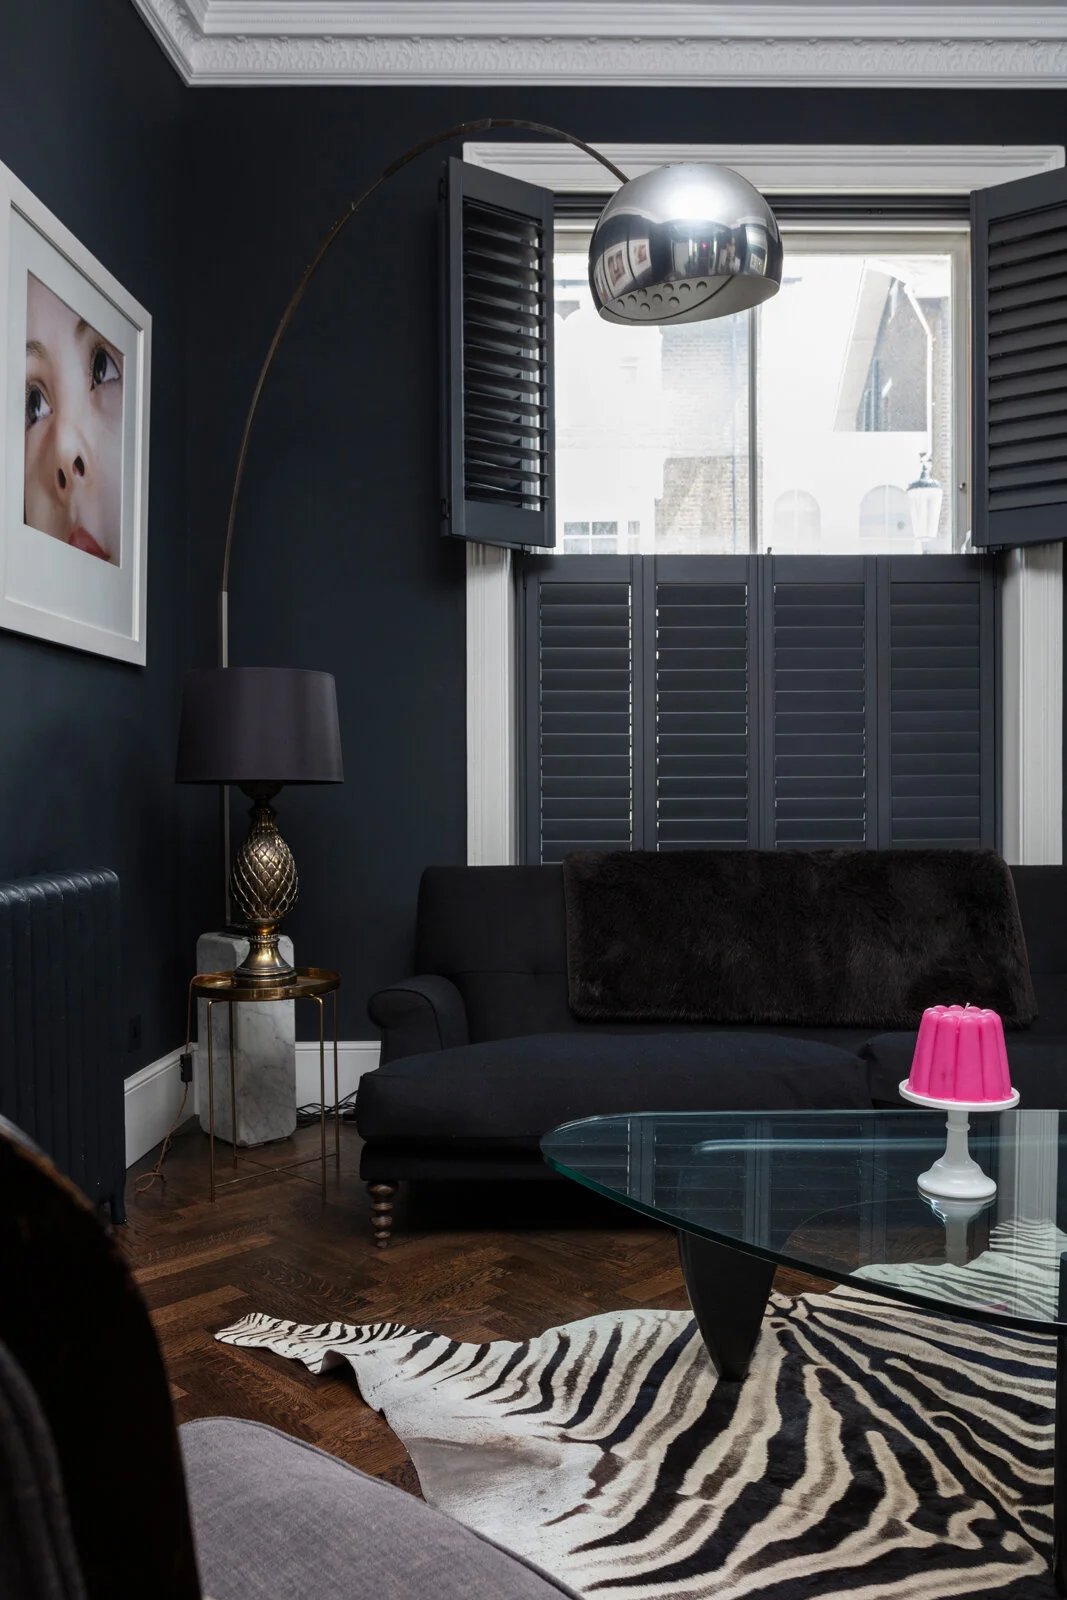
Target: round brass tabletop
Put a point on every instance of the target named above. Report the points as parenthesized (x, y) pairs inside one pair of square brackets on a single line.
[(306, 983)]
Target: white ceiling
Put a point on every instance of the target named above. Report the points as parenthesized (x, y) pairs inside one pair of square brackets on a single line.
[(946, 43)]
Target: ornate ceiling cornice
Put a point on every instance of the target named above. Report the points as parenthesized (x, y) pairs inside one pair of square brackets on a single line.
[(647, 42)]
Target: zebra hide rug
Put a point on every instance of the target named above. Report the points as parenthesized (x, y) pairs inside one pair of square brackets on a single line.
[(874, 1452)]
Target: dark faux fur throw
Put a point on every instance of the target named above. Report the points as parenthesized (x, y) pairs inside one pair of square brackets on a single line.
[(849, 938)]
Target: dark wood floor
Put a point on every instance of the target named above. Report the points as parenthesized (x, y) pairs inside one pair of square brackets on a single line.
[(478, 1262)]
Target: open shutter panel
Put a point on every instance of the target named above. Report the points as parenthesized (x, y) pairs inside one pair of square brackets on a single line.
[(705, 727), (1019, 264), (498, 453), (579, 692), (818, 672)]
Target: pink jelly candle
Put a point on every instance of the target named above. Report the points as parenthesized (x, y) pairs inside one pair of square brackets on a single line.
[(960, 1055)]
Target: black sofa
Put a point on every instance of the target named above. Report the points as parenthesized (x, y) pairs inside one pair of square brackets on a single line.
[(482, 1055)]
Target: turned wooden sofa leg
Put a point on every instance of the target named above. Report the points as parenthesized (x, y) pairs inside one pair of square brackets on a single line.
[(381, 1211)]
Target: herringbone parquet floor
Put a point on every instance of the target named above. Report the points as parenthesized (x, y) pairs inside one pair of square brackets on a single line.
[(478, 1262)]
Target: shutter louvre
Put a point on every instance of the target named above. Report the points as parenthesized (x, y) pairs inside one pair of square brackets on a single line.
[(1019, 256), (704, 723), (817, 654), (497, 317), (579, 646), (937, 718)]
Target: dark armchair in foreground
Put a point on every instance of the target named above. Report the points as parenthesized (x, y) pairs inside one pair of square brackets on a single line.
[(101, 1498)]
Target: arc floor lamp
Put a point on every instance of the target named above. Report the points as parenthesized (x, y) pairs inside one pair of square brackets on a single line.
[(698, 241)]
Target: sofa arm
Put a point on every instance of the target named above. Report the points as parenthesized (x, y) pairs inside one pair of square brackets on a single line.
[(419, 1014)]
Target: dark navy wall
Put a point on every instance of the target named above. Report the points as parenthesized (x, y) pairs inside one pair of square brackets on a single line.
[(91, 120), (338, 562)]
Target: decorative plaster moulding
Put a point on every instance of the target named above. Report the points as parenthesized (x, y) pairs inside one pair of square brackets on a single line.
[(647, 42)]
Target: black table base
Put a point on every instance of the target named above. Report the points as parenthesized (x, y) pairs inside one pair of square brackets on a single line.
[(728, 1291)]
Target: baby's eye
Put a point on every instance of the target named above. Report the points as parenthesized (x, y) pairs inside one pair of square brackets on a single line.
[(37, 406), (103, 368)]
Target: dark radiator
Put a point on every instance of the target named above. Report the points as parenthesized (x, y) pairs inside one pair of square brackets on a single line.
[(61, 1070)]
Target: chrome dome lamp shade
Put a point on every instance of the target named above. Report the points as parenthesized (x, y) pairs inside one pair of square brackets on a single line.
[(683, 244)]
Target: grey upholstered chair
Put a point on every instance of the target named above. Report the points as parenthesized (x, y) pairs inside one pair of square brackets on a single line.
[(101, 1498)]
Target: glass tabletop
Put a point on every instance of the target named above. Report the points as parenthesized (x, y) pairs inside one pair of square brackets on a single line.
[(834, 1193)]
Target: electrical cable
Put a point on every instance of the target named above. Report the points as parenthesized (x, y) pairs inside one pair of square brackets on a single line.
[(147, 1179), (346, 1110)]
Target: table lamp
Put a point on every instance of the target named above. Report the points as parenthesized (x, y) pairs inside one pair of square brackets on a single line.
[(260, 728)]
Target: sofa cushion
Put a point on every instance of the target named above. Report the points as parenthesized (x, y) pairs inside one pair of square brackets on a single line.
[(1038, 1068), (516, 1090), (848, 937), (1041, 893), (499, 934)]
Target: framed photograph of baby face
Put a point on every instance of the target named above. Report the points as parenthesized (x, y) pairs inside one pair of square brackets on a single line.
[(74, 412)]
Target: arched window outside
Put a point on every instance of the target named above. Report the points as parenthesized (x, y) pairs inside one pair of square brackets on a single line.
[(885, 519), (796, 524)]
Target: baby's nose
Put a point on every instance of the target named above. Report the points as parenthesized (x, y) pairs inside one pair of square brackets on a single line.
[(69, 467)]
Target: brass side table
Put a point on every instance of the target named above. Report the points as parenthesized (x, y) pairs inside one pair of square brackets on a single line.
[(307, 983)]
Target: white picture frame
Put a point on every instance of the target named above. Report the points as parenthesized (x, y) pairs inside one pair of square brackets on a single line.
[(92, 332)]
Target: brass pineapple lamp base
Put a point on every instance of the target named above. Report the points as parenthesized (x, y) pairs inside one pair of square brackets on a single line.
[(260, 728), (263, 886)]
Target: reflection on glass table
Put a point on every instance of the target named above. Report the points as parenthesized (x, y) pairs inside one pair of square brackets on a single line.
[(834, 1194)]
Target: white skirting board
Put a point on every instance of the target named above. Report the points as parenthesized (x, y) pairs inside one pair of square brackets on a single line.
[(154, 1094)]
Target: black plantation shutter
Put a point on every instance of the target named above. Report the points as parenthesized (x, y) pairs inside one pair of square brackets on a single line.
[(793, 702), (702, 780), (498, 452), (1019, 256), (937, 701), (581, 625), (817, 623)]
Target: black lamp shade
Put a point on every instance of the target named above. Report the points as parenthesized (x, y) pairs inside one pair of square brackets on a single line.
[(259, 725)]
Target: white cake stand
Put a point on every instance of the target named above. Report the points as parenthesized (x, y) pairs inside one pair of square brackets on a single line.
[(955, 1175)]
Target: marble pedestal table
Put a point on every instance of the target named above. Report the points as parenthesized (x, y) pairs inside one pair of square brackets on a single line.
[(233, 990), (264, 1052)]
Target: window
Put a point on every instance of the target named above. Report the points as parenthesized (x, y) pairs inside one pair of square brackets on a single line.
[(774, 644), (917, 722), (652, 425), (796, 522), (885, 518), (797, 428)]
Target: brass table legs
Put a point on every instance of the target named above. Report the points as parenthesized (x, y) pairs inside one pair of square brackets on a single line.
[(264, 1166)]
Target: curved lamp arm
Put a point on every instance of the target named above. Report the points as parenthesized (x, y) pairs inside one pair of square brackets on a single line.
[(482, 126)]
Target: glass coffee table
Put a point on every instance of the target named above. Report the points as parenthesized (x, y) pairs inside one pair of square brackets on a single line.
[(833, 1194)]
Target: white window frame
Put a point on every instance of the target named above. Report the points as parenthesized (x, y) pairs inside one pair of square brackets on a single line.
[(1032, 604)]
